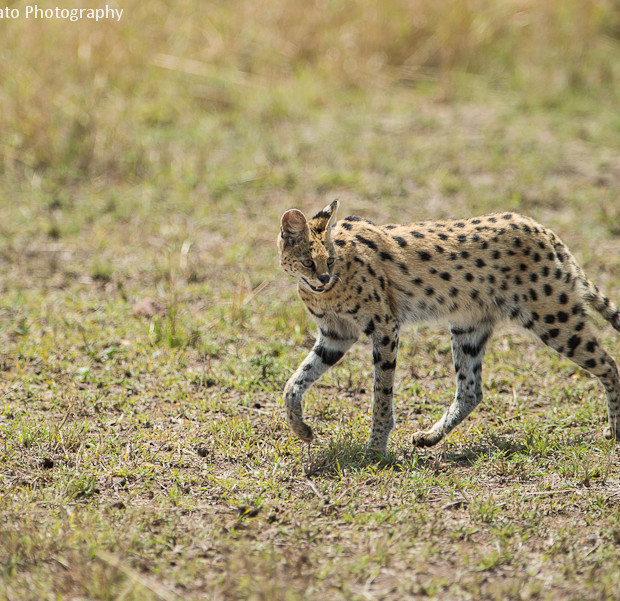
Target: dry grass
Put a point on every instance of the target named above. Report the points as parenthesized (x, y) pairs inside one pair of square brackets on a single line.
[(90, 113)]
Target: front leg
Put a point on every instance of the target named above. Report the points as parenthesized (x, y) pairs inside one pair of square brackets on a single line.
[(327, 351), (384, 352)]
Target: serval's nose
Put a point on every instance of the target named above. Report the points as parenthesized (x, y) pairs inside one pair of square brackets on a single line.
[(324, 278)]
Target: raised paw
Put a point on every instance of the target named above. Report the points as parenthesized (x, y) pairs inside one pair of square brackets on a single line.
[(425, 438)]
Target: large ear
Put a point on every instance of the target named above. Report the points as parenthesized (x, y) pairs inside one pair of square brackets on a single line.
[(333, 209), (293, 225), (327, 216)]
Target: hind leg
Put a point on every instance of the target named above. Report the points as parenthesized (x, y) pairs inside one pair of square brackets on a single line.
[(577, 341), (600, 364), (468, 346)]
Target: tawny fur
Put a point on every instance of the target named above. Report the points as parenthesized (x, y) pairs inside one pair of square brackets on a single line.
[(356, 277)]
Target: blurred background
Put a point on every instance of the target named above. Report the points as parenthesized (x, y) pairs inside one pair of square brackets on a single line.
[(129, 100)]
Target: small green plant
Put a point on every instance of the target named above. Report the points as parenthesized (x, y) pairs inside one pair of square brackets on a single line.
[(82, 486)]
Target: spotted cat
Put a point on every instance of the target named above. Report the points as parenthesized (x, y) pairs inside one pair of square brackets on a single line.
[(357, 277)]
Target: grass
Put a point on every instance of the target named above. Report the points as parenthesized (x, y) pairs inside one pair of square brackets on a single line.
[(146, 456)]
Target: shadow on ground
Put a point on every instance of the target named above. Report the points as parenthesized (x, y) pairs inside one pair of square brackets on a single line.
[(346, 456)]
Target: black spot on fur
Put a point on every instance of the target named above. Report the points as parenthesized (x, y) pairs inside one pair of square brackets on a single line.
[(322, 215), (328, 356), (388, 365), (573, 342), (400, 241), (473, 350), (424, 256), (331, 334), (316, 313), (369, 243)]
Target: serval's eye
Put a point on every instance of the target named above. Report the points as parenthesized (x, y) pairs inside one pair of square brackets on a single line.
[(331, 261), (308, 264)]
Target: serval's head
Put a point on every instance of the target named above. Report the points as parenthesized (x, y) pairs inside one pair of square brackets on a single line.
[(306, 249)]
